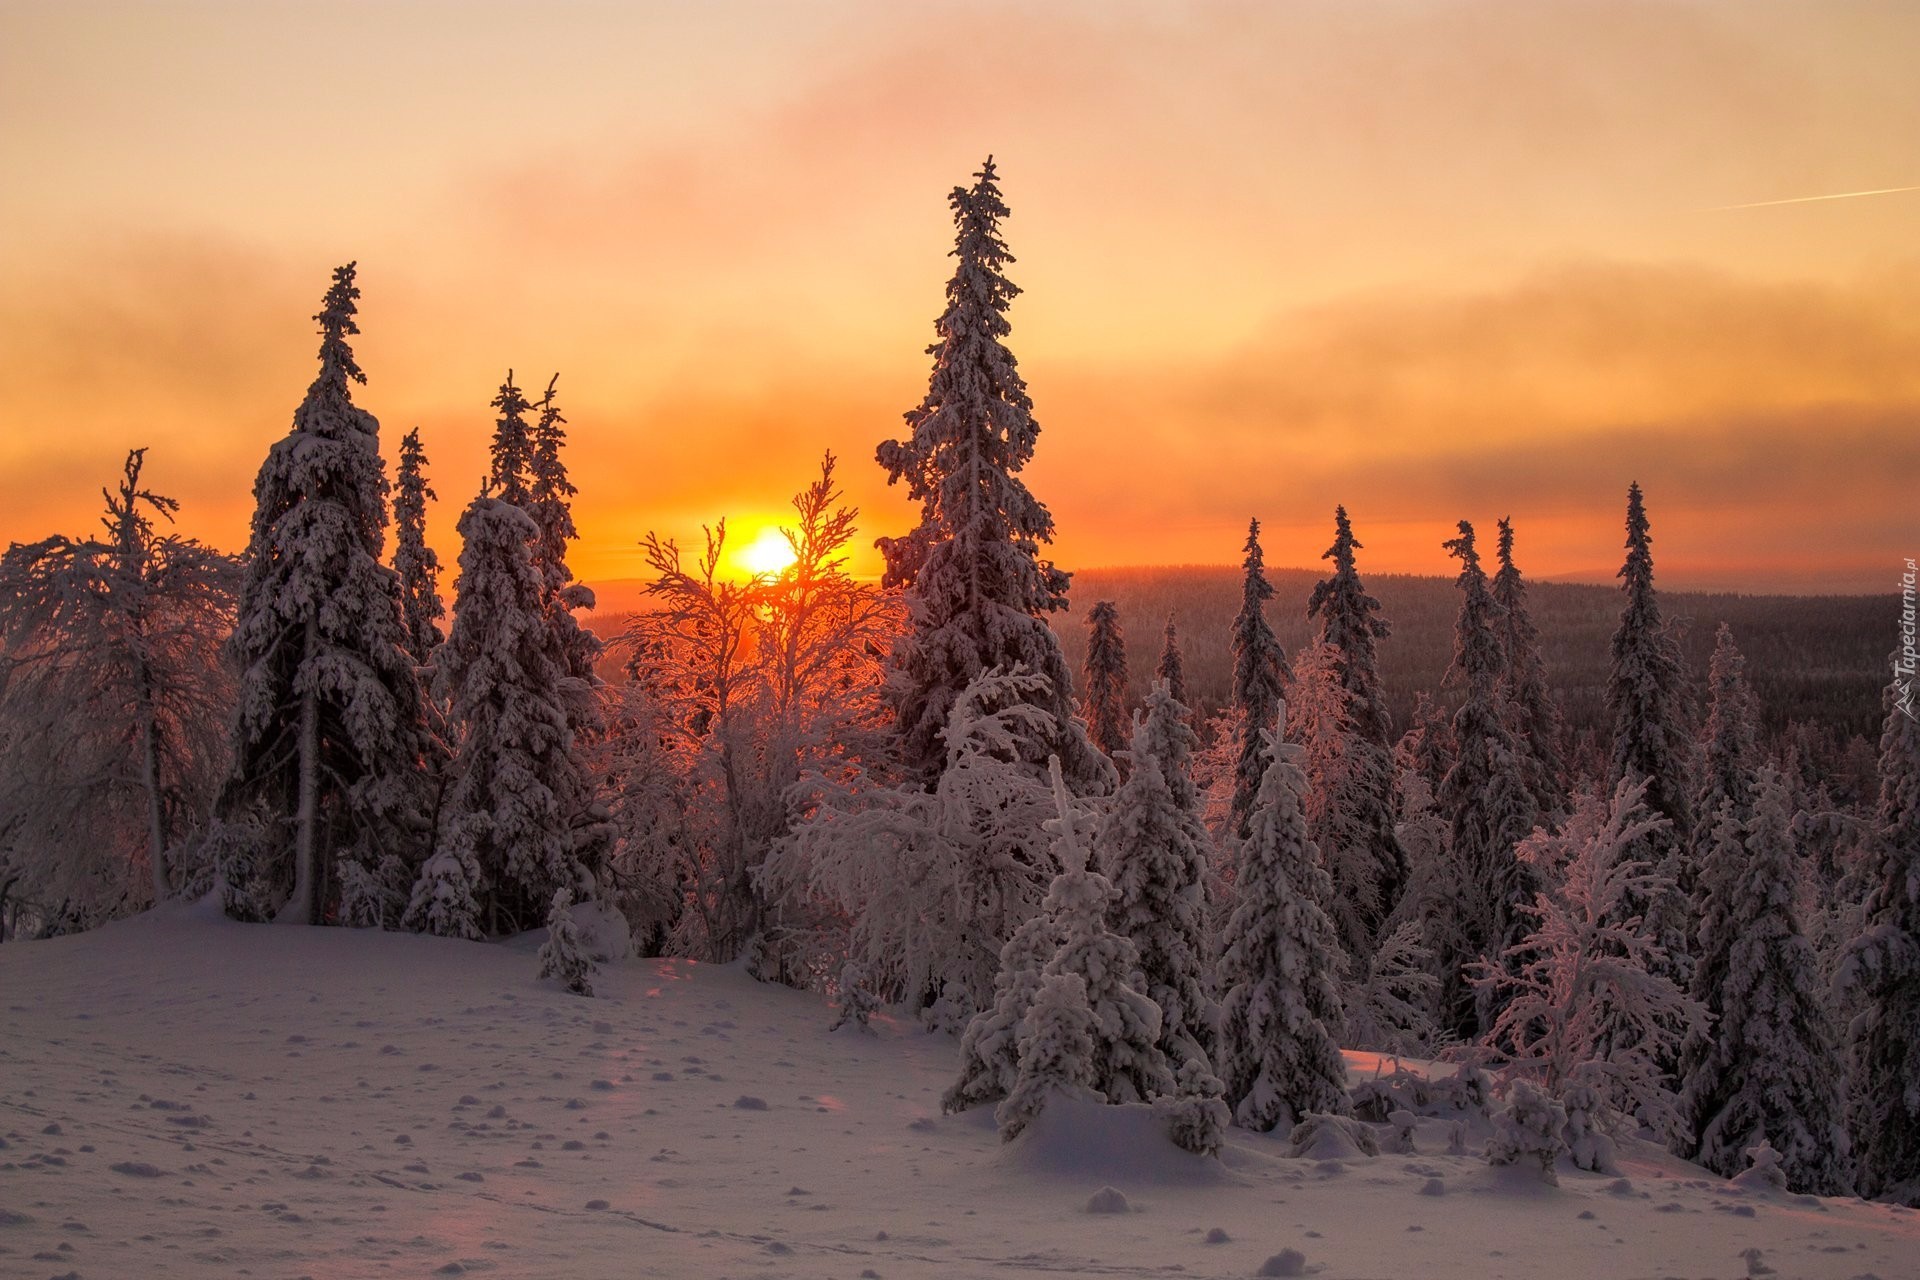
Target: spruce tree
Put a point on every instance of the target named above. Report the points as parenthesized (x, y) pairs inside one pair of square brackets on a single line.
[(1277, 1053), (971, 569), (564, 954), (1489, 806), (413, 560), (1350, 620), (1338, 803), (990, 1046), (1154, 851), (1729, 747), (515, 782), (574, 648), (1173, 668), (1056, 1054), (1374, 874), (329, 731), (1259, 673), (1646, 693), (510, 458), (1106, 676), (1128, 1065), (1534, 715), (1723, 806), (1880, 972), (549, 501), (1090, 1032), (1427, 747), (1771, 1072)]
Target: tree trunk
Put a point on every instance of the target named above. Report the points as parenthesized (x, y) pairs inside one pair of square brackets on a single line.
[(300, 908)]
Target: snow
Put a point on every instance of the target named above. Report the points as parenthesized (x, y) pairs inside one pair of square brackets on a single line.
[(184, 1096)]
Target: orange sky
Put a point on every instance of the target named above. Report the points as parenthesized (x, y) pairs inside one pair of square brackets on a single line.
[(1429, 259)]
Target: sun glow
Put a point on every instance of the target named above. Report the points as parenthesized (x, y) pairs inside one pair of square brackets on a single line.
[(769, 553)]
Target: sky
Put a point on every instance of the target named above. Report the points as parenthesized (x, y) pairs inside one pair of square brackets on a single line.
[(1431, 260)]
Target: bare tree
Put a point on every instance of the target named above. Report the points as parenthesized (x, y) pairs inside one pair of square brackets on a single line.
[(112, 703)]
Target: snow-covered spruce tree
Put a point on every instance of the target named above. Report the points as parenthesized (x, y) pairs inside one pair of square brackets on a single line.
[(510, 456), (1172, 669), (971, 570), (857, 1003), (549, 501), (1128, 1065), (1350, 621), (378, 896), (564, 954), (1373, 874), (574, 648), (1106, 688), (1277, 1054), (1729, 749), (1153, 850), (1584, 997), (1646, 697), (1771, 1071), (1427, 746), (415, 563), (515, 781), (1723, 806), (1383, 952), (1320, 711), (1880, 973), (447, 896), (646, 791), (112, 702), (933, 886), (1535, 715), (1259, 675), (1528, 1130), (329, 729), (1056, 1054), (990, 1047), (1489, 806), (1397, 1008)]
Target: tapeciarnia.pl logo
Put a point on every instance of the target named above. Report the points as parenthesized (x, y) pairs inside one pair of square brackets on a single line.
[(1904, 661)]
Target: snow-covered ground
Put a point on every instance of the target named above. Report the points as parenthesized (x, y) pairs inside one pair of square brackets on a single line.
[(181, 1096)]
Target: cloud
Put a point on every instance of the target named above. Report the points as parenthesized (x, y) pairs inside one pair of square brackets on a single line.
[(1773, 423), (1748, 407)]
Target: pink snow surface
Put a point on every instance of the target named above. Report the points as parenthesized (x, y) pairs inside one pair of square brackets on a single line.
[(181, 1096)]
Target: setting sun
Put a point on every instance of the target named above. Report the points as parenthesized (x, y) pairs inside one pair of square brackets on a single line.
[(769, 553)]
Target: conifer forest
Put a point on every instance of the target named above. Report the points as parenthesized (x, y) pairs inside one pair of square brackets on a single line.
[(351, 878)]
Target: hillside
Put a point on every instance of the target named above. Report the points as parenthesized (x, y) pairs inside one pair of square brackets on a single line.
[(183, 1096)]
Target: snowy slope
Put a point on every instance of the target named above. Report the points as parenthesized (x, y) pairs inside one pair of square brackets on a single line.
[(180, 1096)]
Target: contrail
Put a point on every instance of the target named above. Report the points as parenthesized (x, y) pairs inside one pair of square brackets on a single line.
[(1840, 195)]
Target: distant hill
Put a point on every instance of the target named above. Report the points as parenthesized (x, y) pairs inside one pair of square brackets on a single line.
[(1821, 659)]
